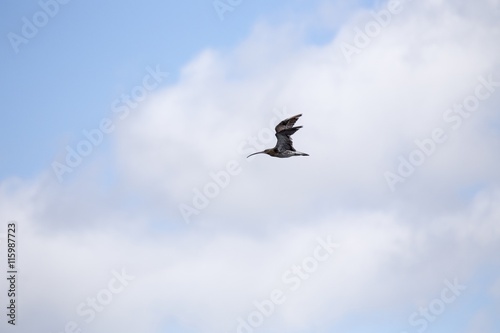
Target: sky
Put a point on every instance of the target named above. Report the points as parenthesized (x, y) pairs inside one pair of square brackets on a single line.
[(129, 203)]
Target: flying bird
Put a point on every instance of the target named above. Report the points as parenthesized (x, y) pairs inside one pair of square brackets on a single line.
[(284, 146)]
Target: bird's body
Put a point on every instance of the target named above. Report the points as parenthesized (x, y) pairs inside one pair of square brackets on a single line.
[(284, 146)]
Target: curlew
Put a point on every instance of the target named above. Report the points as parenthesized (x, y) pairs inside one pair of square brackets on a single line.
[(284, 146)]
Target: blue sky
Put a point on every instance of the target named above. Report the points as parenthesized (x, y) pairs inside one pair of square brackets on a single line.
[(169, 197), (91, 52)]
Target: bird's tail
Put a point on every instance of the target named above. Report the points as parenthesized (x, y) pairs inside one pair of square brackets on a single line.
[(298, 153)]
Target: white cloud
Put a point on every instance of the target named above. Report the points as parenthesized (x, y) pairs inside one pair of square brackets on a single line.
[(396, 248), (358, 118)]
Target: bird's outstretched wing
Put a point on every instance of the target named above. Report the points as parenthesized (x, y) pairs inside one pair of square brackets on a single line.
[(284, 138), (287, 123)]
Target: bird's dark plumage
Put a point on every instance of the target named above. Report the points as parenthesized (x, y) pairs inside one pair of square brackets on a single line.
[(287, 123), (284, 146)]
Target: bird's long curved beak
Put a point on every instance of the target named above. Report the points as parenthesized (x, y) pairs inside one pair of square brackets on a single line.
[(260, 152)]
